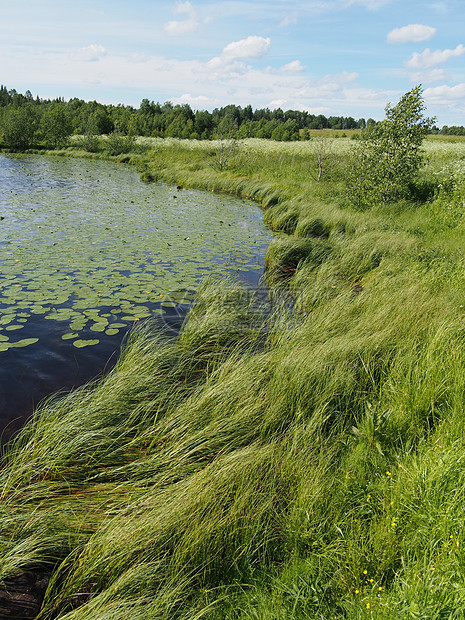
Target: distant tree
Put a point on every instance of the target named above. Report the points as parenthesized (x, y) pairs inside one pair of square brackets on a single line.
[(55, 126), (203, 124), (103, 121), (90, 140), (387, 157), (322, 159), (19, 126), (5, 98), (226, 145)]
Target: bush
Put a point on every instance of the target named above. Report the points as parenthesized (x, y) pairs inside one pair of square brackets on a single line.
[(116, 143)]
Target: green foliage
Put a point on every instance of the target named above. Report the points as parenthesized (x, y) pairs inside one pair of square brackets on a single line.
[(55, 126), (388, 155), (19, 127), (90, 140), (117, 143), (171, 121)]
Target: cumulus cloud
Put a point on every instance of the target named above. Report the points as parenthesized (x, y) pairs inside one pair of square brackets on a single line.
[(250, 48), (427, 58), (231, 62), (91, 53), (445, 95), (293, 67), (179, 27), (413, 33)]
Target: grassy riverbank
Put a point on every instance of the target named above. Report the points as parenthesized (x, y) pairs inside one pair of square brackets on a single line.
[(306, 464)]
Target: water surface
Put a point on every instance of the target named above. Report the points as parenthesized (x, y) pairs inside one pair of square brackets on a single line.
[(86, 250)]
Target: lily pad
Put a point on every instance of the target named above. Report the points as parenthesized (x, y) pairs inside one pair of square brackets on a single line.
[(22, 343), (69, 336), (82, 267), (99, 327), (79, 344)]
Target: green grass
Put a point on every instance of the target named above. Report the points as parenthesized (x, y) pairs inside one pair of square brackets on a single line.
[(306, 462)]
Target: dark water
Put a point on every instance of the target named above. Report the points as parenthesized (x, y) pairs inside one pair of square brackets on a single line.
[(86, 251)]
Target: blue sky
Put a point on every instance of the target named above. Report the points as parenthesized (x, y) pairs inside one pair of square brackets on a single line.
[(334, 57)]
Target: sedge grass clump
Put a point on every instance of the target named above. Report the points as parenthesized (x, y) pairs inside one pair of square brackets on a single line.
[(225, 316), (285, 256)]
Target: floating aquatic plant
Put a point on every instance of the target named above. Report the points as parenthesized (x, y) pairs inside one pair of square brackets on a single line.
[(98, 252)]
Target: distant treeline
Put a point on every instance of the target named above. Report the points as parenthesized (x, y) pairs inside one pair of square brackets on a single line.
[(454, 130), (26, 121)]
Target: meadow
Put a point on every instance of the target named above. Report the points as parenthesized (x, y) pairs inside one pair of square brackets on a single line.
[(300, 459)]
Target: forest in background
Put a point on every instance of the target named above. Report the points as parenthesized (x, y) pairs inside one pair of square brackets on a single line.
[(28, 122)]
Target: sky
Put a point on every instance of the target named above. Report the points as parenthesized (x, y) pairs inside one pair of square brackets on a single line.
[(334, 57)]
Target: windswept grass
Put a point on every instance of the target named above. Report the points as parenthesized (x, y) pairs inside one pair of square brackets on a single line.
[(298, 459)]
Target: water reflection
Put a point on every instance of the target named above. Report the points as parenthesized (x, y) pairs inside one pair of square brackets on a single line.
[(133, 241)]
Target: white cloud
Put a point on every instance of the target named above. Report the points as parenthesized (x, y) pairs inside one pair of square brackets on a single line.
[(293, 67), (329, 88), (447, 100), (277, 103), (250, 48), (413, 33), (91, 53), (428, 77), (179, 27), (231, 62), (199, 102), (427, 58), (445, 95)]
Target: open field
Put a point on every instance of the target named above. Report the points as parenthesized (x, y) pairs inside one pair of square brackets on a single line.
[(304, 463)]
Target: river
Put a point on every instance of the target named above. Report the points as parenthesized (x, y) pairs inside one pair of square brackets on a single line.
[(87, 250)]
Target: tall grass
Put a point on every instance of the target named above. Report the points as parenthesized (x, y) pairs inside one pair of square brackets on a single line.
[(299, 460)]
